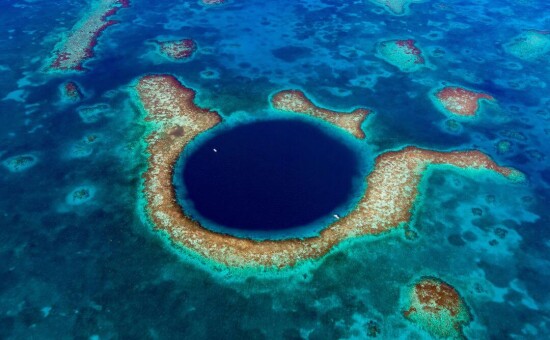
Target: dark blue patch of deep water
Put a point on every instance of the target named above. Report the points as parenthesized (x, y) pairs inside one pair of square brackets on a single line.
[(267, 176)]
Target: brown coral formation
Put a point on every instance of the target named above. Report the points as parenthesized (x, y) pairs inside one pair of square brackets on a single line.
[(461, 101), (296, 101), (387, 202), (437, 307), (177, 50), (80, 41)]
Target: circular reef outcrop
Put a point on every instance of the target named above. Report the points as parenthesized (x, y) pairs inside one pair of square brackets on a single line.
[(437, 308)]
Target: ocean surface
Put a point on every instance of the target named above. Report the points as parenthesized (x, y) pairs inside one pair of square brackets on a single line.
[(268, 178), (79, 259)]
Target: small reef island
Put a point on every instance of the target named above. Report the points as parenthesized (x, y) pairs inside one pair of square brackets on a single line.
[(456, 101), (174, 120), (176, 50), (437, 308)]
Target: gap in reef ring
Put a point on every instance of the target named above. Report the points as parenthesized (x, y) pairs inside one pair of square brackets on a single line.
[(270, 178)]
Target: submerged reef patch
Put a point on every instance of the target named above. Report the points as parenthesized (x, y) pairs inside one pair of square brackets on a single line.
[(212, 2), (437, 308), (174, 120), (20, 163), (93, 113), (210, 73), (458, 101), (176, 50), (403, 54), (80, 195), (83, 148), (530, 45), (396, 7), (71, 92), (78, 45)]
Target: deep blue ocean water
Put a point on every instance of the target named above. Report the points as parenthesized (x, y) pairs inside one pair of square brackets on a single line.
[(98, 271), (269, 176)]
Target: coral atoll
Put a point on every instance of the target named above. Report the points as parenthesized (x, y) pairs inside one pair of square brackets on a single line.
[(175, 120)]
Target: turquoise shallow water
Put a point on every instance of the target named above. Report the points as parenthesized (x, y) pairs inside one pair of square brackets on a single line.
[(92, 268)]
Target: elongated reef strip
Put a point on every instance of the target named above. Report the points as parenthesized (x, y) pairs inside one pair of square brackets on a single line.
[(297, 101), (79, 43), (175, 120)]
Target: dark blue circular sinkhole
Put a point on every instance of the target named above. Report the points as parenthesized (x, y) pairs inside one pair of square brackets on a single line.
[(267, 177)]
